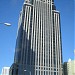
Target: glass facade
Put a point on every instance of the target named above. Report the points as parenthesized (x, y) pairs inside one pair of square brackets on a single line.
[(38, 46)]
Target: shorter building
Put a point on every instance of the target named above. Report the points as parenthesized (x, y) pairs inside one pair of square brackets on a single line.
[(69, 67), (5, 71)]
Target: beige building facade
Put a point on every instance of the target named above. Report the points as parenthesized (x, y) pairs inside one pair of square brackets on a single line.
[(69, 67)]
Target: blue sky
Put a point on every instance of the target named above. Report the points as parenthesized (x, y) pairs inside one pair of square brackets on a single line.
[(9, 12)]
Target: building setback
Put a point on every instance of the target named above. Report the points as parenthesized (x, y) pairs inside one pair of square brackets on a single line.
[(38, 47)]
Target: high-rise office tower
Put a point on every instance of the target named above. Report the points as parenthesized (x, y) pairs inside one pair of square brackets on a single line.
[(38, 46)]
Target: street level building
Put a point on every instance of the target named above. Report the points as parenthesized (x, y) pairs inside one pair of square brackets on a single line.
[(69, 67), (5, 71), (38, 46)]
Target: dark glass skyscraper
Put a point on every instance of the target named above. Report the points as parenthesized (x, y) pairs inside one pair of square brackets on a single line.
[(38, 47)]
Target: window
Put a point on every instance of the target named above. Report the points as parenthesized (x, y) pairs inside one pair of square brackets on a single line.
[(54, 73)]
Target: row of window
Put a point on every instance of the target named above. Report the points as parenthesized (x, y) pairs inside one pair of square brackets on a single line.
[(46, 73)]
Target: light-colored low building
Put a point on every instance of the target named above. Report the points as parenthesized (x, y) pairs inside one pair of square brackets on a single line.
[(69, 67), (5, 71)]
